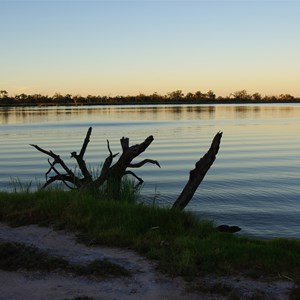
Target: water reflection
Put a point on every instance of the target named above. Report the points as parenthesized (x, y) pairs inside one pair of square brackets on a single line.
[(23, 115)]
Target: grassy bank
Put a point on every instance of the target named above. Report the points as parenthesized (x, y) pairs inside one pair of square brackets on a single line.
[(182, 244)]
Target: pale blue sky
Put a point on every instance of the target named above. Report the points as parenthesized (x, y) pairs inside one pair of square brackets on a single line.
[(132, 47)]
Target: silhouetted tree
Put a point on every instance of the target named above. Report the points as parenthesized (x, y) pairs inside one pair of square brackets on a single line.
[(176, 95), (3, 94), (286, 97), (211, 95), (241, 95), (198, 95), (189, 96), (256, 97)]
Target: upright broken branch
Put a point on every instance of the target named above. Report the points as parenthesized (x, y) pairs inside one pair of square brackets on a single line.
[(197, 174), (79, 158)]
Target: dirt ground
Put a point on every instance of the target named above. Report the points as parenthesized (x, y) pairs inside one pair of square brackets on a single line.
[(146, 283)]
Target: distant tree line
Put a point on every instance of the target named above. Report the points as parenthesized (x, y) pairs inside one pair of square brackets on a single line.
[(172, 97)]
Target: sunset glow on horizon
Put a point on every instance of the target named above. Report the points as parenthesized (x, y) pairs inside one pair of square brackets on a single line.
[(131, 47)]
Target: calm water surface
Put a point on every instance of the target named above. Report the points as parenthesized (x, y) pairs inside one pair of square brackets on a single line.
[(254, 182)]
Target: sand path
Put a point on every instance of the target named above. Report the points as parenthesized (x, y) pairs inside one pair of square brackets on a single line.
[(146, 282)]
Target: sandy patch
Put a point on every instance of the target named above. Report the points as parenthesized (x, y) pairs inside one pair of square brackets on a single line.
[(146, 282)]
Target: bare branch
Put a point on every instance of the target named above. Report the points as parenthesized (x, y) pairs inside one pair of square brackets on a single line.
[(108, 147), (63, 178), (50, 153), (143, 162), (110, 153), (50, 169), (134, 175), (108, 161), (57, 159), (106, 166)]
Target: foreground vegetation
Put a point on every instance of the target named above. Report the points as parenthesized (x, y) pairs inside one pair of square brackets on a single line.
[(181, 244), (178, 96)]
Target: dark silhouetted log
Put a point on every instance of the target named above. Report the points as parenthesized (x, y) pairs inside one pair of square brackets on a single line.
[(197, 175)]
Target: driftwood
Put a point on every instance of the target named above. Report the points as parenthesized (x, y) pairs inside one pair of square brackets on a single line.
[(112, 174)]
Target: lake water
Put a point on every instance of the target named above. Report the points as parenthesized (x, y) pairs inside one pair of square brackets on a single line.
[(254, 182)]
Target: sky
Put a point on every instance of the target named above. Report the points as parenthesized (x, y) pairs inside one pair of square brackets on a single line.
[(131, 47)]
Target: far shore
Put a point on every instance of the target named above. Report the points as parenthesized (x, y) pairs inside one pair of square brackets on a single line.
[(148, 103), (173, 98)]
